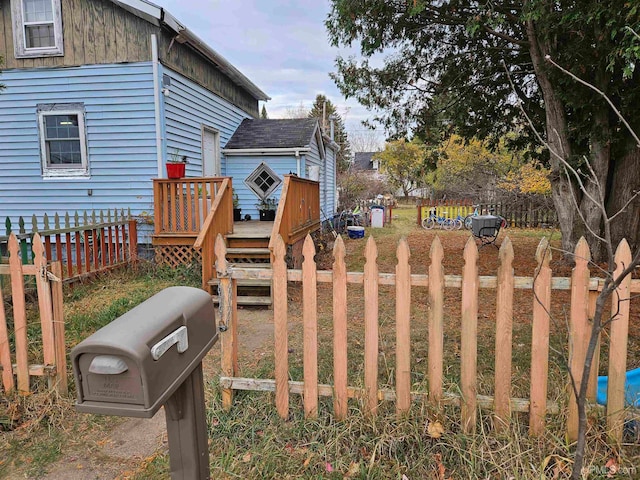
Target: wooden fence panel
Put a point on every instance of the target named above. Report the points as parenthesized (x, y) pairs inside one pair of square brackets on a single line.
[(371, 326), (340, 363), (620, 310), (310, 327), (436, 322), (468, 337), (504, 329), (403, 328), (578, 331), (540, 339)]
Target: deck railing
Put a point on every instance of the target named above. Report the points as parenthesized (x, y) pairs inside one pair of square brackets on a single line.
[(182, 205), (298, 210), (218, 221)]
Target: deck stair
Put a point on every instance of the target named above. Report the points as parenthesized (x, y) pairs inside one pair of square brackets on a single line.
[(248, 247)]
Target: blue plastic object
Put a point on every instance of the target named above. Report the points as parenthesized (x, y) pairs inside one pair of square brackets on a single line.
[(631, 387)]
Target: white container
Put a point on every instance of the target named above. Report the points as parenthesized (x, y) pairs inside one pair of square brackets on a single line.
[(377, 217)]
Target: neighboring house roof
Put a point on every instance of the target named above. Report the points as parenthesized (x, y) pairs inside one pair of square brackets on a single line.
[(160, 17), (363, 160), (272, 134)]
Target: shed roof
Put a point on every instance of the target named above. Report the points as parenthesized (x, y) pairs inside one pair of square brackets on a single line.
[(363, 160), (273, 134)]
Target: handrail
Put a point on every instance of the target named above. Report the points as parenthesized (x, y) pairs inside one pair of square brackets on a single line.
[(218, 221), (298, 210), (181, 205)]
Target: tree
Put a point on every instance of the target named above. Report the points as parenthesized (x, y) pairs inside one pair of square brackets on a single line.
[(263, 112), (299, 111), (364, 141), (451, 66), (325, 111), (405, 164)]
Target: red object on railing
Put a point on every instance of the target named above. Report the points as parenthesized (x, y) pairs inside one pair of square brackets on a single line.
[(176, 170)]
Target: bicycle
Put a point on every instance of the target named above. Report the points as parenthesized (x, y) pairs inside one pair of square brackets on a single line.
[(441, 221)]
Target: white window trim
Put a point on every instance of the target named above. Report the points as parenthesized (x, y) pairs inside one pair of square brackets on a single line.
[(63, 172), (19, 41)]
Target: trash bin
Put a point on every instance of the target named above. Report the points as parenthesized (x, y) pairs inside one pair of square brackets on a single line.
[(377, 216)]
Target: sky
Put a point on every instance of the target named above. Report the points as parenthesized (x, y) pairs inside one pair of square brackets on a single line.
[(281, 46)]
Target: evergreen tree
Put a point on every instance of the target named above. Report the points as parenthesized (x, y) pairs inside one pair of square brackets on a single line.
[(263, 112), (324, 111)]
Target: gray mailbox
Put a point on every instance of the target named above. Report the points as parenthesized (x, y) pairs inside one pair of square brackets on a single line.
[(149, 357)]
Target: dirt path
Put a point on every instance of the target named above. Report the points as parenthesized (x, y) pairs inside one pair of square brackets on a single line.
[(128, 448)]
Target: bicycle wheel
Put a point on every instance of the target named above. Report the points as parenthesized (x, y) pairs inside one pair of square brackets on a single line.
[(448, 224), (468, 221), (503, 223), (457, 224), (428, 223)]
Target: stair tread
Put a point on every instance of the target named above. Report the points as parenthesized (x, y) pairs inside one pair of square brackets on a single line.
[(247, 251), (248, 300), (248, 235), (244, 283), (250, 265)]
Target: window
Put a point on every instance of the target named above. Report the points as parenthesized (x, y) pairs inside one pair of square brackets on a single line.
[(37, 28), (63, 140), (263, 181)]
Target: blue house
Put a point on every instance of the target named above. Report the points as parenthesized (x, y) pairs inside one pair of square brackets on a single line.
[(101, 93)]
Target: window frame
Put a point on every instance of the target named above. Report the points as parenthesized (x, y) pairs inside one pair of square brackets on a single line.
[(49, 171), (250, 181), (19, 38)]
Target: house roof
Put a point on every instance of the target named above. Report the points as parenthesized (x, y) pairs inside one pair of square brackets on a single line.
[(267, 134), (363, 160), (160, 17)]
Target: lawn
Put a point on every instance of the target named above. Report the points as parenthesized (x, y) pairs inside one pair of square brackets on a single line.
[(251, 441)]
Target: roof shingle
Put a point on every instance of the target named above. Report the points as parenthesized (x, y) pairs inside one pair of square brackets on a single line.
[(273, 133)]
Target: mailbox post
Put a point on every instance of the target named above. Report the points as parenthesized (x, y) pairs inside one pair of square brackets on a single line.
[(149, 357)]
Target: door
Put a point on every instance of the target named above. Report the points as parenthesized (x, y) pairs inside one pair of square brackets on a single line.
[(210, 152)]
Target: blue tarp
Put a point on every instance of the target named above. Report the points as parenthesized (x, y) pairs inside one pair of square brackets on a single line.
[(632, 389)]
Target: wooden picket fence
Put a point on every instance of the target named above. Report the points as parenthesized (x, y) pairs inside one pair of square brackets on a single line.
[(53, 365), (84, 244), (583, 291), (524, 214)]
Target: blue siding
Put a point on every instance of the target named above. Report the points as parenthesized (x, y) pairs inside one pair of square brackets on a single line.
[(120, 131), (240, 167), (188, 107), (330, 176)]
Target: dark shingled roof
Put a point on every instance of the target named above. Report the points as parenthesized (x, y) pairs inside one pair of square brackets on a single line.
[(363, 160), (272, 133)]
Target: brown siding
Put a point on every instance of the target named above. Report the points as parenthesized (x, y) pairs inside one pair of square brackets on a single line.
[(98, 31)]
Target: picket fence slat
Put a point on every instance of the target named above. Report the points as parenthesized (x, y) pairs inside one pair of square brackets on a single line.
[(504, 329), (436, 322), (310, 329), (371, 326), (579, 330), (59, 330), (468, 337), (226, 343), (403, 328), (620, 311), (19, 316), (540, 339), (44, 302), (592, 389), (280, 312), (340, 362), (5, 352)]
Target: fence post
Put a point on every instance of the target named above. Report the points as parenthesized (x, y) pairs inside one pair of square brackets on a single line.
[(24, 247), (44, 303), (133, 241), (340, 330), (227, 324), (504, 329), (436, 315), (469, 333), (59, 329), (310, 327), (578, 331), (620, 308), (371, 326), (280, 298), (540, 339)]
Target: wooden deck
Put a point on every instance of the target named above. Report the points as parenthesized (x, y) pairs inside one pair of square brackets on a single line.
[(252, 228)]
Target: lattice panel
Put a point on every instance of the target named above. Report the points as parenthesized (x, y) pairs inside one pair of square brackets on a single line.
[(176, 255)]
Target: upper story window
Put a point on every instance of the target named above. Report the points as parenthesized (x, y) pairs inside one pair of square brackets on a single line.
[(37, 28), (63, 140)]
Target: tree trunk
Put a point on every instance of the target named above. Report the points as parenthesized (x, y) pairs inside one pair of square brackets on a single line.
[(625, 180)]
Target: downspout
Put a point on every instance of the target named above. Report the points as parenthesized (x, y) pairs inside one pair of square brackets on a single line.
[(156, 97), (298, 162)]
